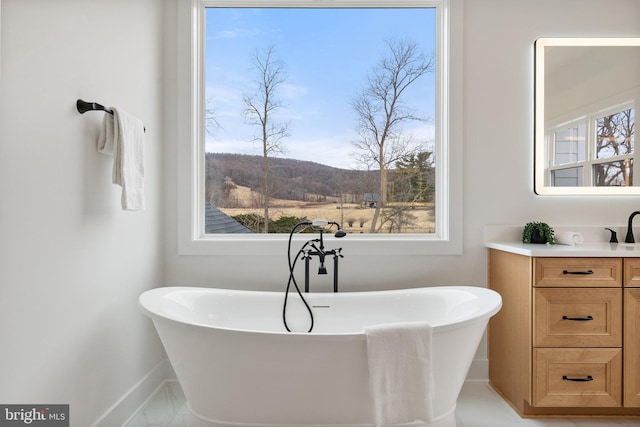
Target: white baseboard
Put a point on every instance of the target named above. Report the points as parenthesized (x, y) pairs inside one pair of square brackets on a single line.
[(137, 396)]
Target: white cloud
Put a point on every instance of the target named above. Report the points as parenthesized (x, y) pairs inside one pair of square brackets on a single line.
[(243, 33), (335, 150), (424, 134), (291, 91), (237, 146), (224, 95), (238, 33)]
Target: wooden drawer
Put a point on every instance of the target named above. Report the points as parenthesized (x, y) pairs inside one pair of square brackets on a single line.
[(577, 272), (632, 272), (577, 317), (577, 377)]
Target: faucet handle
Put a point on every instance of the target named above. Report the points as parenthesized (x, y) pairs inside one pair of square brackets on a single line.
[(614, 236)]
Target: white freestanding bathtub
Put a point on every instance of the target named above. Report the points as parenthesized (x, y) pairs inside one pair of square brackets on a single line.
[(238, 366)]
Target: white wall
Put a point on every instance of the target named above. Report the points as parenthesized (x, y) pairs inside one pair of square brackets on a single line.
[(72, 263), (499, 37)]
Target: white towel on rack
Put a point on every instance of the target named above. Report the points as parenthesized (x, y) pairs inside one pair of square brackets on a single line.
[(122, 136), (400, 372)]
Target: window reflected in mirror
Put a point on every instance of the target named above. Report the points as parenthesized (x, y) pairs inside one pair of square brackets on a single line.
[(597, 150)]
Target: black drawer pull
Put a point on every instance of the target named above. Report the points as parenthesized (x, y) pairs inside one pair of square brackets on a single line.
[(578, 319), (583, 273), (581, 380)]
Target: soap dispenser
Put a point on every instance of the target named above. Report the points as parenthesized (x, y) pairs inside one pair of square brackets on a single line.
[(614, 236)]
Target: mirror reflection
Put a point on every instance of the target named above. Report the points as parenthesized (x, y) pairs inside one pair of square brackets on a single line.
[(586, 95)]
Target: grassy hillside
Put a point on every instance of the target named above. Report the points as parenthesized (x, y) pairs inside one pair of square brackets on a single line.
[(291, 179)]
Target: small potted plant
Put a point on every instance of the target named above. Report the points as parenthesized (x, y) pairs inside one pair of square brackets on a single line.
[(537, 232)]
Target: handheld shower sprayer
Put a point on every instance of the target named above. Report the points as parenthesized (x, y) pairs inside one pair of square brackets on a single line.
[(320, 225)]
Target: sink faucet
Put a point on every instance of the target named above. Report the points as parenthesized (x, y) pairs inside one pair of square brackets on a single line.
[(629, 238)]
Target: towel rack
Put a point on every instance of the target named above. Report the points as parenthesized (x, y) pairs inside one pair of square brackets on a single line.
[(84, 106)]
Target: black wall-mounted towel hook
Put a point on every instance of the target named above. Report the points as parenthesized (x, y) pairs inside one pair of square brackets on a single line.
[(84, 106)]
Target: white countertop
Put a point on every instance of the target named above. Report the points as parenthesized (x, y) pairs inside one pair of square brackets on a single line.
[(596, 249), (508, 239)]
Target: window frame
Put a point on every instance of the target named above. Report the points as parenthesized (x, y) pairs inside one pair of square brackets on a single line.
[(190, 138)]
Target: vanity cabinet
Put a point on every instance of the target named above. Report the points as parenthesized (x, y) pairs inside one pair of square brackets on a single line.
[(632, 332), (567, 340)]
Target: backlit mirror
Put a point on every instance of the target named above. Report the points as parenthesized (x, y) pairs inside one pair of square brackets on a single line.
[(587, 91)]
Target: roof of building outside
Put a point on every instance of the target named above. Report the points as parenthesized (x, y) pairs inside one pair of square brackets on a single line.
[(217, 222)]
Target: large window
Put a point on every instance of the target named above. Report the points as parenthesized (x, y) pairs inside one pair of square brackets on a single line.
[(306, 109), (320, 112)]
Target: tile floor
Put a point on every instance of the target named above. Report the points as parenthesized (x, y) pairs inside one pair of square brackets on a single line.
[(166, 408), (478, 406)]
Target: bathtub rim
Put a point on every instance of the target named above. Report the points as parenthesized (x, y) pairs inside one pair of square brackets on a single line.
[(477, 317)]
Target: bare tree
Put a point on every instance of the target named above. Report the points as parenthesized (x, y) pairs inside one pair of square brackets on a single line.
[(260, 108), (213, 180), (211, 123), (615, 136), (382, 110)]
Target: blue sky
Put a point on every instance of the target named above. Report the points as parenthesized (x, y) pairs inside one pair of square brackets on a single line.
[(327, 53)]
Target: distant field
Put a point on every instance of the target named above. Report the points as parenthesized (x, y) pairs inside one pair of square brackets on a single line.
[(353, 217)]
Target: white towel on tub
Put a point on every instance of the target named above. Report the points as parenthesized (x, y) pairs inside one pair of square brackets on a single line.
[(400, 372), (122, 136)]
